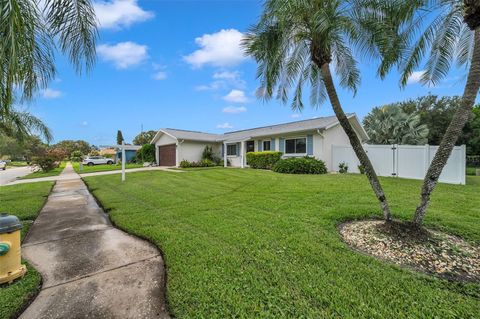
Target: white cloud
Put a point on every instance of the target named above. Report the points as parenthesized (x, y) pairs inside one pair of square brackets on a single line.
[(124, 54), (295, 116), (51, 94), (236, 96), (117, 14), (210, 87), (234, 109), (84, 123), (224, 125), (415, 77), (220, 49), (227, 75), (160, 75)]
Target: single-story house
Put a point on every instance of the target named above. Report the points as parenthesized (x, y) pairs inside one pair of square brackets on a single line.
[(313, 137), (130, 153)]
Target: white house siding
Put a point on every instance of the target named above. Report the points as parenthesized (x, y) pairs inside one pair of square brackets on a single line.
[(333, 136), (192, 151)]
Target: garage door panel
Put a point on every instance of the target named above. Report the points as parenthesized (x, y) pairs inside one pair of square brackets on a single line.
[(167, 155)]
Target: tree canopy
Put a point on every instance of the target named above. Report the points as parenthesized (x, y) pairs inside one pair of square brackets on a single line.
[(144, 138)]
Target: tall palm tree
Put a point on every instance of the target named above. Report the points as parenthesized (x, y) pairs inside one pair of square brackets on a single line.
[(30, 31), (296, 42), (21, 125), (453, 35)]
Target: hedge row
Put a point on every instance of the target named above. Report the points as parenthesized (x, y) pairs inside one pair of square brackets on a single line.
[(263, 160), (300, 165)]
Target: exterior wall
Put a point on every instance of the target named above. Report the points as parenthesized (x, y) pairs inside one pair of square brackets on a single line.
[(334, 136), (192, 151)]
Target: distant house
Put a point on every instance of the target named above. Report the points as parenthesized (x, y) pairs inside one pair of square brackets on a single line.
[(130, 153), (313, 137)]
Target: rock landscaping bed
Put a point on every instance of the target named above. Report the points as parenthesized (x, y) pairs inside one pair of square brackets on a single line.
[(429, 251)]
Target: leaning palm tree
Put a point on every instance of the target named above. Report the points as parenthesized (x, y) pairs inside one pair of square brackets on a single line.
[(20, 125), (296, 42), (452, 35), (30, 31)]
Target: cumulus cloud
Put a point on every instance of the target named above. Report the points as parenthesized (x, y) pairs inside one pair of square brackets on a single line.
[(51, 94), (160, 75), (223, 80), (124, 54), (236, 96), (221, 49), (415, 77), (234, 109), (224, 125), (119, 14)]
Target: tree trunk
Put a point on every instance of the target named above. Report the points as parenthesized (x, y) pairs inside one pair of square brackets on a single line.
[(355, 141), (454, 130)]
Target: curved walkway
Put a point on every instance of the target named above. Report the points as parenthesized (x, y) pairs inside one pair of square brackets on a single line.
[(90, 269)]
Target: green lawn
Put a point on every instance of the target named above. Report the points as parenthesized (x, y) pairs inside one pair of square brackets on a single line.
[(17, 164), (24, 201), (102, 168), (257, 244), (54, 172)]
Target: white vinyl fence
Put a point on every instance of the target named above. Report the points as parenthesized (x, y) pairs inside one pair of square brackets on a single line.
[(406, 161)]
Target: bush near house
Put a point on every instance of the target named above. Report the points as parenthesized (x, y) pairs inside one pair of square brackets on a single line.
[(300, 165), (146, 154), (263, 160), (76, 156), (202, 163)]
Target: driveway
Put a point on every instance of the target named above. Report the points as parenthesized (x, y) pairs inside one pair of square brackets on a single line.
[(12, 173), (89, 268)]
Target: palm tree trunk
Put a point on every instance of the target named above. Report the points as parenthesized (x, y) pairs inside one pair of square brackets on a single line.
[(355, 141), (454, 130)]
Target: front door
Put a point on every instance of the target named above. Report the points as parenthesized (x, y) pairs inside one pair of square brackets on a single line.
[(167, 155)]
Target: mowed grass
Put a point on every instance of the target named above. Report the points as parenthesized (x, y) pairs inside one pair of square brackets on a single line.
[(102, 168), (257, 244), (25, 202), (54, 172)]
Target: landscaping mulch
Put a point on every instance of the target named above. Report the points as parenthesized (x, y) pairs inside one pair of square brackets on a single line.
[(426, 250)]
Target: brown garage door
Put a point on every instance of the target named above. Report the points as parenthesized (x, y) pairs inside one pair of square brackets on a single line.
[(167, 155)]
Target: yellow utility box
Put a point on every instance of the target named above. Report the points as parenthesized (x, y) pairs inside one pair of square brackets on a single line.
[(10, 249)]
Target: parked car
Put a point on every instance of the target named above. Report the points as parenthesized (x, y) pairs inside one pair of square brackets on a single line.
[(97, 160), (3, 165)]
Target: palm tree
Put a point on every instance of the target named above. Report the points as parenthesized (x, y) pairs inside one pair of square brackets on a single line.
[(391, 125), (453, 35), (21, 125), (295, 43), (29, 35)]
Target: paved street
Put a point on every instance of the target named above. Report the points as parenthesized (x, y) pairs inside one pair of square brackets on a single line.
[(12, 173)]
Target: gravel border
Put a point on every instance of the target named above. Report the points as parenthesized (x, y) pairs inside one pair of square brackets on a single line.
[(435, 252)]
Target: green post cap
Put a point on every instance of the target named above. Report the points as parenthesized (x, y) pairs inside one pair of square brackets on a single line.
[(9, 223), (4, 248)]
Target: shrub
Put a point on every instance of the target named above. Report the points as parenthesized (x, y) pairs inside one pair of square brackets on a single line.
[(76, 156), (146, 154), (343, 168), (361, 168), (300, 165), (208, 154), (46, 162), (202, 163), (263, 160)]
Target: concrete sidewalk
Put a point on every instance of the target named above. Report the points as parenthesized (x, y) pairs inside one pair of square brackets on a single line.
[(90, 269), (67, 175)]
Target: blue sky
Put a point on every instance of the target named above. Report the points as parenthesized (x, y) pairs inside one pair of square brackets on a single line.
[(177, 64)]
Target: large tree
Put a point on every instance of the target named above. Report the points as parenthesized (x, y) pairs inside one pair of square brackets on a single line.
[(144, 138), (296, 43), (67, 147), (389, 124), (449, 32)]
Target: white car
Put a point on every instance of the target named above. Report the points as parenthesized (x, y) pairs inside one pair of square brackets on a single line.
[(3, 165), (97, 160)]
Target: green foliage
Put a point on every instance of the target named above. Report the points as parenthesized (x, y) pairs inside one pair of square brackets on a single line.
[(144, 138), (361, 168), (67, 147), (239, 238), (146, 154), (209, 155), (76, 156), (103, 167), (343, 168), (263, 160), (21, 150), (46, 163), (119, 137), (21, 125), (300, 165), (202, 163), (391, 125)]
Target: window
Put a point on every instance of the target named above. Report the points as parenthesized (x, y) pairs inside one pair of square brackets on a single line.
[(231, 149), (266, 145), (250, 146), (296, 146)]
